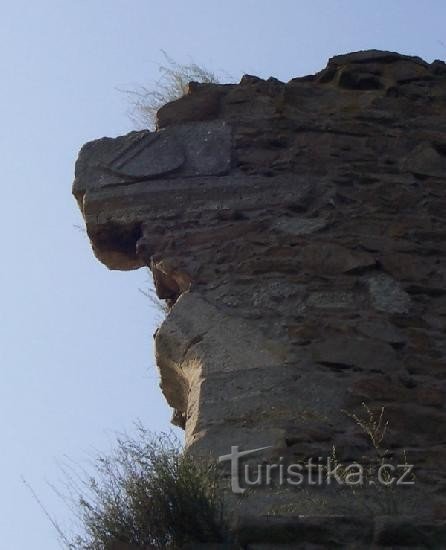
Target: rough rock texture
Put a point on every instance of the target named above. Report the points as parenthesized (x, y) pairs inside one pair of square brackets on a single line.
[(298, 230)]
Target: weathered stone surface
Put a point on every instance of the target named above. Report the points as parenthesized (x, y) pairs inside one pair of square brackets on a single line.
[(346, 352), (186, 150), (387, 295), (343, 532), (297, 231)]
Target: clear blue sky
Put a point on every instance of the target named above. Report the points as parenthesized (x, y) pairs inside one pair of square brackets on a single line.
[(76, 340)]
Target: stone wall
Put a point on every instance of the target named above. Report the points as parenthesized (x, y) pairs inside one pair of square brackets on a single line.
[(297, 230)]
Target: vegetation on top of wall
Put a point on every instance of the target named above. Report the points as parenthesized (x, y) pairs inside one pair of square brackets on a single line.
[(173, 84)]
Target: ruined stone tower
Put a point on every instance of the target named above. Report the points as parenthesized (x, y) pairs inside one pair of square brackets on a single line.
[(298, 232)]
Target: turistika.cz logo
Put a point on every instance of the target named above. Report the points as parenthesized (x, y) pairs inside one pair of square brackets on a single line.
[(314, 472)]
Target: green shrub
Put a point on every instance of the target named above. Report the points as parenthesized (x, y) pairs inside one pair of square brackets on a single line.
[(149, 493)]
